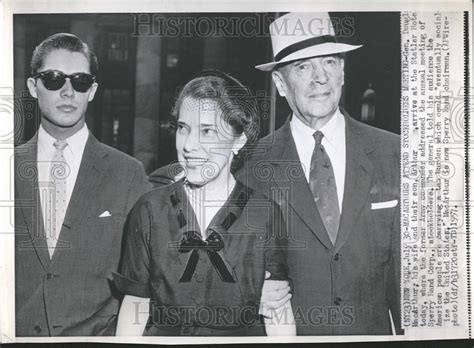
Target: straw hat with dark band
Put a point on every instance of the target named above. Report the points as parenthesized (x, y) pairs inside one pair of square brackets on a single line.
[(298, 36)]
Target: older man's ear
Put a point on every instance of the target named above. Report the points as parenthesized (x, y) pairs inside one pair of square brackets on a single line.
[(279, 81), (342, 68)]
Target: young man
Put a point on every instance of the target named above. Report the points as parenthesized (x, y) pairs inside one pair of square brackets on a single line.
[(73, 195), (338, 180)]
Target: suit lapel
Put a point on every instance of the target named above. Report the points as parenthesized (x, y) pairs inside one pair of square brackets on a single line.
[(290, 178), (28, 198), (358, 178), (87, 186)]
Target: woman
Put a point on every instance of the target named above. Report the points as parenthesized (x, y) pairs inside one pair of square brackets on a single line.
[(196, 251)]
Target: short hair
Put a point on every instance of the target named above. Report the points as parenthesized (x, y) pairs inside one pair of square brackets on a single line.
[(238, 106), (64, 41)]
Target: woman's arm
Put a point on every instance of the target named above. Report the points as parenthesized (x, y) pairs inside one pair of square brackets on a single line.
[(275, 293), (281, 322), (133, 316), (133, 279), (278, 317), (275, 306)]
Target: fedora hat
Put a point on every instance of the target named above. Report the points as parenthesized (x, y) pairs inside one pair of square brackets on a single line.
[(303, 35)]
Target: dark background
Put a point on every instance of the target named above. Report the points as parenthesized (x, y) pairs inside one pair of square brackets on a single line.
[(141, 67)]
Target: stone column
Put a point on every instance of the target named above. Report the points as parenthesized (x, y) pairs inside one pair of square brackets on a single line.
[(147, 101), (23, 99)]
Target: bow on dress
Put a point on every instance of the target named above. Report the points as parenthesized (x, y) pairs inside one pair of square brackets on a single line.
[(191, 241)]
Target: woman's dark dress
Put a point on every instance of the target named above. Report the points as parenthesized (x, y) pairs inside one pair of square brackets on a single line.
[(221, 295)]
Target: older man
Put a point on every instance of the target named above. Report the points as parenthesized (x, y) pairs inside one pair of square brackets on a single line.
[(72, 196), (337, 180)]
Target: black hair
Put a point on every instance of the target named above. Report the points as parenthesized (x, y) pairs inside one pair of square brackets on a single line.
[(64, 41), (234, 99), (237, 104)]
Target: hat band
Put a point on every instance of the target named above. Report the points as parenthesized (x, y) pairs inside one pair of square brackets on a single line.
[(304, 44)]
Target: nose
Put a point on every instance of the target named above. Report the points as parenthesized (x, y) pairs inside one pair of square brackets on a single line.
[(191, 143), (319, 74), (67, 90)]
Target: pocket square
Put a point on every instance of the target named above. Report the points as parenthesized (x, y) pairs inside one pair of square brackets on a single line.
[(105, 214), (383, 205)]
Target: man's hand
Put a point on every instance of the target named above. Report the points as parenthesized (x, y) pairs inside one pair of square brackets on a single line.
[(275, 294)]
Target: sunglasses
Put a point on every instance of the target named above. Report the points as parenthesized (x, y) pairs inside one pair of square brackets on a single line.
[(54, 80)]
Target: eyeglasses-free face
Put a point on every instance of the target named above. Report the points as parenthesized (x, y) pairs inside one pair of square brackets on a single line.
[(312, 87), (54, 80), (205, 141)]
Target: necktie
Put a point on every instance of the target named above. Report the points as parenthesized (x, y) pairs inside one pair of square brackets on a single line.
[(59, 171), (323, 187)]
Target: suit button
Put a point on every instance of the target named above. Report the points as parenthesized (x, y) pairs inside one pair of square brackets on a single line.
[(336, 256), (37, 329), (337, 301), (199, 278), (197, 300)]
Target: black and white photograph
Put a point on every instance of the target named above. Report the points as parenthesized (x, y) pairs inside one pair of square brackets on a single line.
[(232, 130), (231, 174)]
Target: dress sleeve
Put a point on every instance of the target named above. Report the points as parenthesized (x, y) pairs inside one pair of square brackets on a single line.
[(276, 249), (134, 276)]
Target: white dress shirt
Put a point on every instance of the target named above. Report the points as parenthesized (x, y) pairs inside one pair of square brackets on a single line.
[(72, 153), (334, 142)]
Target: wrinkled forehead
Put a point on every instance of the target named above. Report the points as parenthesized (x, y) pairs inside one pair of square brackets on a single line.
[(286, 65)]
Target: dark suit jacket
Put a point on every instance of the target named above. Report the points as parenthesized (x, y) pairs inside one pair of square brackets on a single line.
[(348, 288), (72, 293)]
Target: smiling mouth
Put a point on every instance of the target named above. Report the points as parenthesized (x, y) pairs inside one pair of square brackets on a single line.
[(67, 108), (193, 162)]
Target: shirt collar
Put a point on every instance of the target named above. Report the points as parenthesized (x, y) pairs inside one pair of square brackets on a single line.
[(333, 130), (78, 140), (45, 141), (75, 142)]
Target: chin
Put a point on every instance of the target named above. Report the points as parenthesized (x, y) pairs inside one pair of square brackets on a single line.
[(323, 113), (65, 121), (195, 176)]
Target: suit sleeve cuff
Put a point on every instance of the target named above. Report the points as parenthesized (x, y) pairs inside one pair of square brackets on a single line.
[(131, 287), (278, 271)]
